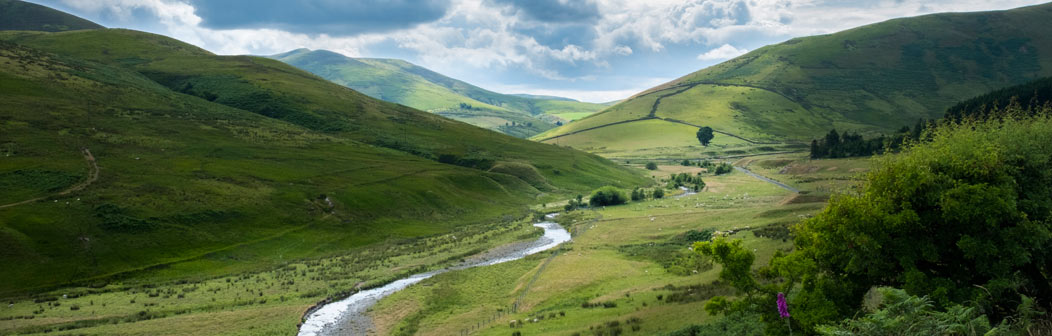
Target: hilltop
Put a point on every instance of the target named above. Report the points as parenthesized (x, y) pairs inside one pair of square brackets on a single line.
[(408, 84), (21, 15), (872, 79), (211, 164)]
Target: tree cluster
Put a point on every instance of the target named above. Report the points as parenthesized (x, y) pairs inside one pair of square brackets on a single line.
[(686, 180), (716, 168), (608, 195), (574, 203), (642, 194), (1031, 97), (963, 219), (836, 145)]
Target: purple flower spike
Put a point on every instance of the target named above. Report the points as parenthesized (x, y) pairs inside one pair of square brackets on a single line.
[(783, 307)]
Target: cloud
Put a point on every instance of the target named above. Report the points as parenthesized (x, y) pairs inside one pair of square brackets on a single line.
[(724, 52), (571, 46), (332, 17), (555, 11)]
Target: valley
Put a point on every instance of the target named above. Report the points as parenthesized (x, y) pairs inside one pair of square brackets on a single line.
[(889, 179)]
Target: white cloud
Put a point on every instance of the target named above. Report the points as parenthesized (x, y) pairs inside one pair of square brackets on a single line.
[(476, 38), (724, 52)]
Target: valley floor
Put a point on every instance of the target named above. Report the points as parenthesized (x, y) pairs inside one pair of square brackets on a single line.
[(628, 266)]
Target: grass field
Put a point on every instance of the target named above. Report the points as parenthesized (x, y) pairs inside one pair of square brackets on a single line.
[(871, 79), (255, 303), (632, 258), (213, 165), (660, 140)]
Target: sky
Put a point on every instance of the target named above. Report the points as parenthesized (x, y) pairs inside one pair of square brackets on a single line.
[(590, 50)]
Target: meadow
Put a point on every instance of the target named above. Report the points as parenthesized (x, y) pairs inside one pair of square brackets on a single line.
[(628, 267), (251, 303)]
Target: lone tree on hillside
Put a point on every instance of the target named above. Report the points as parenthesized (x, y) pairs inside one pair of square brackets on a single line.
[(705, 135)]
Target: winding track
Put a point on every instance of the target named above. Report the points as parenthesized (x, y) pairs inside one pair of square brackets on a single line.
[(764, 178), (92, 177), (682, 88)]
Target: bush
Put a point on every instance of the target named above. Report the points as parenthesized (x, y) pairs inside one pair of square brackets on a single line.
[(659, 193), (898, 313), (607, 195), (637, 195), (963, 219), (651, 166)]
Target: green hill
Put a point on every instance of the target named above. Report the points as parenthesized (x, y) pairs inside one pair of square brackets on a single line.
[(214, 164), (20, 15), (414, 86), (874, 78)]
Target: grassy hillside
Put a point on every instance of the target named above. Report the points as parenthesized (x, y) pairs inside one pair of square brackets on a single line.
[(212, 164), (874, 78), (414, 86), (21, 15)]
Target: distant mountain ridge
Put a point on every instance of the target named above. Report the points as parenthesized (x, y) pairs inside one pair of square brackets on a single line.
[(874, 79), (402, 82)]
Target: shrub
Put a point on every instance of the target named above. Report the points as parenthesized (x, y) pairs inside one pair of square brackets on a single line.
[(659, 193), (607, 195), (651, 166), (968, 216), (637, 194)]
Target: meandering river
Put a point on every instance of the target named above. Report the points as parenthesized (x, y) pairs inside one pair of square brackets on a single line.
[(349, 316)]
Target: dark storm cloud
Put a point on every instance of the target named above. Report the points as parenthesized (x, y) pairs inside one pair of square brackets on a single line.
[(556, 11), (333, 17)]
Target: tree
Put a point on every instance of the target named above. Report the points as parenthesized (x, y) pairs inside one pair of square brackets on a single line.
[(705, 135), (963, 218), (651, 166), (833, 144), (637, 194), (659, 193), (608, 195)]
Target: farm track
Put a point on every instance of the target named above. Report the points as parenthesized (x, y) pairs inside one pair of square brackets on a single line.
[(682, 88), (93, 176), (766, 179)]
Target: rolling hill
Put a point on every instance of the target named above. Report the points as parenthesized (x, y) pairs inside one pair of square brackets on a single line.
[(402, 82), (872, 79), (123, 152), (20, 15)]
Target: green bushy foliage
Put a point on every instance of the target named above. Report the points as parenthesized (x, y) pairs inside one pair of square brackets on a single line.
[(705, 135), (965, 217), (898, 313), (608, 195)]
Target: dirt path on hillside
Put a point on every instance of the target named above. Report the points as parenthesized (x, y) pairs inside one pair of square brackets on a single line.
[(680, 89), (93, 176)]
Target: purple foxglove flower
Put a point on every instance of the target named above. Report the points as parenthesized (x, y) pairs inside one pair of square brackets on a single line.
[(783, 307)]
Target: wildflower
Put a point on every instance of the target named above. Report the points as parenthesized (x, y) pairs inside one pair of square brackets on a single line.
[(783, 307)]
